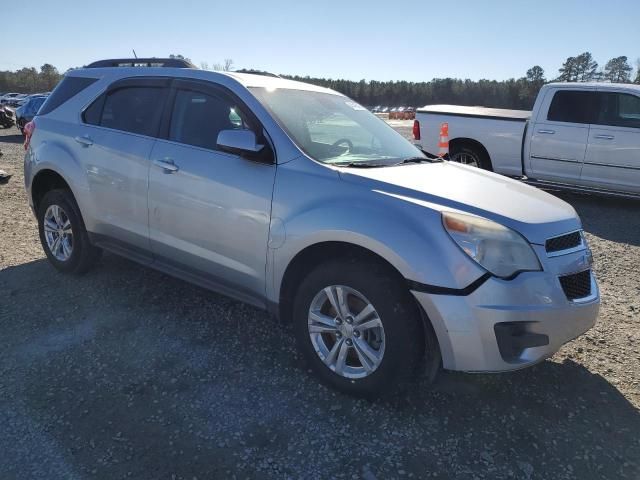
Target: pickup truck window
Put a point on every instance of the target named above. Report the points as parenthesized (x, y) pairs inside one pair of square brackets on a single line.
[(619, 110), (572, 106)]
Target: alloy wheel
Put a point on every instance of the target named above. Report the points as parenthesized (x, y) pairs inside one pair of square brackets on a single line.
[(466, 159), (58, 233), (346, 331)]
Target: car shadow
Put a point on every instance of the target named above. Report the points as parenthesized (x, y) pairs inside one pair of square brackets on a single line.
[(16, 138), (554, 411), (609, 218), (127, 354)]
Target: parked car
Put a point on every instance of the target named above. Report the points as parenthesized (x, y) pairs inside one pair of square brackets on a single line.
[(409, 113), (28, 110), (313, 209), (582, 137), (396, 113), (7, 117), (12, 99)]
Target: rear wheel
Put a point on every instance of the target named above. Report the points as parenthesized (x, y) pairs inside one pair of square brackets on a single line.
[(63, 235), (470, 155), (358, 328)]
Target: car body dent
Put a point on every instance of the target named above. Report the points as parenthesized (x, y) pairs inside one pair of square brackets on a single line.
[(391, 228)]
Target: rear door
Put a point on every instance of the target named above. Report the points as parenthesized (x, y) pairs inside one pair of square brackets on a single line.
[(559, 140), (209, 210), (116, 140), (613, 153)]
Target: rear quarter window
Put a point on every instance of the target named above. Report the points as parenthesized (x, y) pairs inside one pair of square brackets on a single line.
[(68, 88)]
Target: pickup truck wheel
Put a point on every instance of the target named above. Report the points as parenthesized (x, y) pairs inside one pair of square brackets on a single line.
[(470, 156), (63, 235), (357, 328)]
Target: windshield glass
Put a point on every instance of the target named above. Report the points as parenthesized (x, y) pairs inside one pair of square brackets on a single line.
[(334, 129)]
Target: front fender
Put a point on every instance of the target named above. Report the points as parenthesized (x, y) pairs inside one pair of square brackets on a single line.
[(313, 206)]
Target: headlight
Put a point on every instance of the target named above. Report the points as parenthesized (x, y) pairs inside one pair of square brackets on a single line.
[(495, 247)]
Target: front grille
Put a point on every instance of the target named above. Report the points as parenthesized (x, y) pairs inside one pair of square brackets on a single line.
[(576, 285), (563, 242)]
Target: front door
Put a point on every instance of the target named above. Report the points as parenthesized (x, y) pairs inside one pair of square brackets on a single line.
[(209, 211), (559, 141)]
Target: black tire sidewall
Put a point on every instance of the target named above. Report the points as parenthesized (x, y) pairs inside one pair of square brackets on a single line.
[(64, 199), (404, 342), (483, 162)]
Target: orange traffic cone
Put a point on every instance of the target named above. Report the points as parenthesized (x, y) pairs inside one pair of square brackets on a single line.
[(443, 143)]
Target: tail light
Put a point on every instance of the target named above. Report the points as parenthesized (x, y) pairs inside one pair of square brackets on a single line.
[(416, 130), (28, 131)]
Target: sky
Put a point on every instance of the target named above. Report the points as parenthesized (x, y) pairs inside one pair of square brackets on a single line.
[(351, 39)]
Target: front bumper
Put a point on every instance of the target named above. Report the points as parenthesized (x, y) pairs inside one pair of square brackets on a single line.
[(509, 324)]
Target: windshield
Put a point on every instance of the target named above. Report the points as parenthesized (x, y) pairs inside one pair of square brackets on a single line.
[(334, 129)]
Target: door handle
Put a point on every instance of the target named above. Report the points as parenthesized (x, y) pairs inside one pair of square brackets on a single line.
[(166, 164), (85, 140), (548, 132), (605, 137)]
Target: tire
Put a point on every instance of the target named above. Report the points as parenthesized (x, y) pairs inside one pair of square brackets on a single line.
[(470, 155), (73, 253), (402, 346)]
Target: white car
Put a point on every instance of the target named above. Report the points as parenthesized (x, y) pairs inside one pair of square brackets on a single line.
[(12, 99), (583, 137)]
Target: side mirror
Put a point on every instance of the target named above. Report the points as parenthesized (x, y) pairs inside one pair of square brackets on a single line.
[(240, 142)]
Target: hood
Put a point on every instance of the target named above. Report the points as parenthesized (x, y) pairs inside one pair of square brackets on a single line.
[(533, 213)]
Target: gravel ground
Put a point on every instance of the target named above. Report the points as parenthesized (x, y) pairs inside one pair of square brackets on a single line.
[(128, 373)]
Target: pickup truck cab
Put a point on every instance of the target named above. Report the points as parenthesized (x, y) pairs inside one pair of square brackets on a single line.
[(583, 137)]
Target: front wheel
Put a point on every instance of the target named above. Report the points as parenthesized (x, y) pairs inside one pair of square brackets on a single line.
[(358, 328)]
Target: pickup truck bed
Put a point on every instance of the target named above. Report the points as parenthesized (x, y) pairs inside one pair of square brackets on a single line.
[(578, 136), (477, 112)]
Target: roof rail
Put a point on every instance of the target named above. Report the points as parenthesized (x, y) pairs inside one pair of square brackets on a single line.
[(257, 72), (142, 62)]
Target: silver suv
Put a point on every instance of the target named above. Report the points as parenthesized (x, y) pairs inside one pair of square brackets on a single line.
[(298, 200)]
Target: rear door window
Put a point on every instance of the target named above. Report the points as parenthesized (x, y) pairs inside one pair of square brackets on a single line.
[(618, 109), (572, 106), (129, 109)]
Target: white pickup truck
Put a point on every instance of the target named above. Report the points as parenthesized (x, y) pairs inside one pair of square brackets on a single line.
[(579, 136)]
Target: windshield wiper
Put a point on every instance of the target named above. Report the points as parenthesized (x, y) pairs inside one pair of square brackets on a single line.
[(360, 165), (418, 160)]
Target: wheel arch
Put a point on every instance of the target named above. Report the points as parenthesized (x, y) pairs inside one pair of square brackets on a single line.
[(44, 181), (473, 144), (313, 255)]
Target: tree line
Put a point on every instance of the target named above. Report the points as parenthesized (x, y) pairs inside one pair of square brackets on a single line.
[(30, 80), (514, 93)]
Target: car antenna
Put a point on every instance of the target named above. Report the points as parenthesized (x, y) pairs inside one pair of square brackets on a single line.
[(134, 52)]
